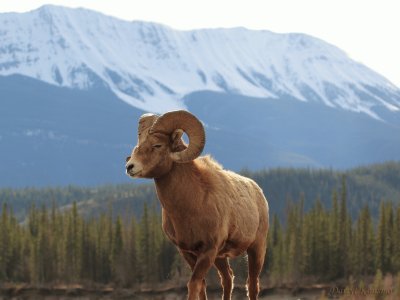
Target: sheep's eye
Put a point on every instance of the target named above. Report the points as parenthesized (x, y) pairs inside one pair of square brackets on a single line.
[(157, 146)]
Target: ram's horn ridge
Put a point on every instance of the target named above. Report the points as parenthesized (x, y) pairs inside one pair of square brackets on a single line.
[(181, 119)]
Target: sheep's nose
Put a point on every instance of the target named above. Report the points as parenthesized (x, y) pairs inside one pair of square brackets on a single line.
[(129, 167)]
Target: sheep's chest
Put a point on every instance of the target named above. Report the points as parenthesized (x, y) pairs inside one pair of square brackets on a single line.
[(190, 233)]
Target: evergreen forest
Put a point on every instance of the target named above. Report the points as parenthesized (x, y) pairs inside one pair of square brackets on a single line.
[(340, 227)]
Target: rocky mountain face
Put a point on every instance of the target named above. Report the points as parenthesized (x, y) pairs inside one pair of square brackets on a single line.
[(266, 99)]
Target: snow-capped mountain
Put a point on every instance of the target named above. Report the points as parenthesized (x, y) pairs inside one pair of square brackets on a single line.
[(152, 67), (267, 99)]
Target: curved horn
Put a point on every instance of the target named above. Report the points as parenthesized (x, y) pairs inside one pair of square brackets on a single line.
[(180, 119)]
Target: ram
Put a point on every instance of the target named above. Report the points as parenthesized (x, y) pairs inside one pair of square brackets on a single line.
[(209, 213)]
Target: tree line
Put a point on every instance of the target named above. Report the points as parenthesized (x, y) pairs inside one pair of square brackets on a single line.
[(55, 245), (329, 244), (365, 185)]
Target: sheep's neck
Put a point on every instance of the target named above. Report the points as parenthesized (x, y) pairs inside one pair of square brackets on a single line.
[(178, 187)]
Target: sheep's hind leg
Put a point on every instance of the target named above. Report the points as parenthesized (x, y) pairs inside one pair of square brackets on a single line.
[(191, 260), (226, 274), (256, 256), (203, 264)]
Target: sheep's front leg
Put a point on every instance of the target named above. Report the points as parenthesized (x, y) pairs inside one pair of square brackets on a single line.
[(191, 260), (203, 264)]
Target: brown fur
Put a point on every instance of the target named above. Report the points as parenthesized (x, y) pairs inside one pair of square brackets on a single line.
[(209, 213)]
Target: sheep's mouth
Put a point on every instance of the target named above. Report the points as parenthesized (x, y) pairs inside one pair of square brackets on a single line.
[(133, 175)]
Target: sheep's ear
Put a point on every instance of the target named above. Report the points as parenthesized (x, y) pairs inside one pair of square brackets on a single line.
[(176, 135), (177, 142)]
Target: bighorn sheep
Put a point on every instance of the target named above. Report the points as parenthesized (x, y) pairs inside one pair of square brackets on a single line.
[(209, 213)]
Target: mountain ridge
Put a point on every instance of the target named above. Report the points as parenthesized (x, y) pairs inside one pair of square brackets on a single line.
[(152, 66), (64, 72)]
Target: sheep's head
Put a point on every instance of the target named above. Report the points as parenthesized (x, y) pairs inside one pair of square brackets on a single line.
[(160, 143)]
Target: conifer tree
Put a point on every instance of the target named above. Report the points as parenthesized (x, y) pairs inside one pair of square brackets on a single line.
[(131, 253), (278, 262), (117, 251), (363, 246), (33, 261), (380, 240), (144, 244), (343, 231), (389, 238), (334, 233), (294, 240), (87, 253), (5, 250), (396, 242), (321, 239), (271, 242), (154, 244)]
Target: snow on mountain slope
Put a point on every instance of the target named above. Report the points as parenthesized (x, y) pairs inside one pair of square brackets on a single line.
[(152, 66)]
